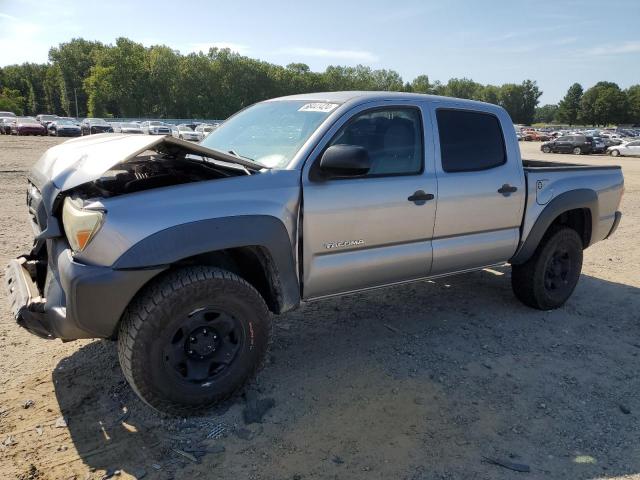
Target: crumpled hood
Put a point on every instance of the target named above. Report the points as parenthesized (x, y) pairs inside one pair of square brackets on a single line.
[(85, 159)]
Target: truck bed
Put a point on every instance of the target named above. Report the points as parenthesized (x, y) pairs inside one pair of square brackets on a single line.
[(545, 181)]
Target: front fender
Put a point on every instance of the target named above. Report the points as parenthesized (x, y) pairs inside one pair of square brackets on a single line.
[(189, 239)]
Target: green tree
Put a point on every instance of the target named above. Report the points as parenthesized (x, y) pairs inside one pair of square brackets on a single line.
[(490, 94), (421, 84), (11, 101), (633, 100), (520, 100), (545, 114), (604, 104), (75, 59), (569, 106), (463, 88)]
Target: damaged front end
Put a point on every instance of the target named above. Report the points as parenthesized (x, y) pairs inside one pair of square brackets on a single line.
[(50, 288)]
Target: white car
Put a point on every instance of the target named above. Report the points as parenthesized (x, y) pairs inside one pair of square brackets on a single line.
[(630, 149), (154, 127), (185, 133), (205, 129)]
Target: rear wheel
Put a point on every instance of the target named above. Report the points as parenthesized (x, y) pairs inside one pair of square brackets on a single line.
[(193, 338), (577, 151), (549, 277)]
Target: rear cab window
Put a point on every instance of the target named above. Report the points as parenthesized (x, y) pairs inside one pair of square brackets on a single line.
[(470, 140)]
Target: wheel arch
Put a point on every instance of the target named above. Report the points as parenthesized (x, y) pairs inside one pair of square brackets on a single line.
[(577, 209), (256, 247)]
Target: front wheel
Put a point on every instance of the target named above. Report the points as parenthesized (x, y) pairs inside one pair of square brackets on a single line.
[(577, 151), (546, 149), (193, 338), (615, 153), (548, 278)]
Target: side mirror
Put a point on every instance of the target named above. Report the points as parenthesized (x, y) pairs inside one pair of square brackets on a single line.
[(345, 161)]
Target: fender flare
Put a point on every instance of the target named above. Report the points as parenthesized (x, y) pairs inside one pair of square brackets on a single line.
[(572, 200), (176, 243)]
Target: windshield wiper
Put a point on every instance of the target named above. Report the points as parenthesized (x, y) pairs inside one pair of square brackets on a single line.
[(236, 154)]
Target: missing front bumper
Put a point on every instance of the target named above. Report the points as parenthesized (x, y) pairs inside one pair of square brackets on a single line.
[(27, 303)]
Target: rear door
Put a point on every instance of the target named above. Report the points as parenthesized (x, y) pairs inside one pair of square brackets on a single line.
[(634, 148), (563, 144), (481, 188), (373, 230)]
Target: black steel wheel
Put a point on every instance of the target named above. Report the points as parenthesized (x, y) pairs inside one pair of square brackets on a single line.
[(204, 345), (193, 338), (548, 278)]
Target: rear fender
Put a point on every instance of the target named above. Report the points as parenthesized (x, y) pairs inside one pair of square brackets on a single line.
[(572, 200)]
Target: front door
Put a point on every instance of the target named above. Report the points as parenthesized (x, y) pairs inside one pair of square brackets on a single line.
[(376, 229)]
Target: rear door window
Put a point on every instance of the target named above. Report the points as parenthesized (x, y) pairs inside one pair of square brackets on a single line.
[(470, 141)]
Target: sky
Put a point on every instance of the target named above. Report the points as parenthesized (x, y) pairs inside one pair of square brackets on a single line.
[(553, 42)]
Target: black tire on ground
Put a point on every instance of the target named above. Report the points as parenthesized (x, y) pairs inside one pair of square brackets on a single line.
[(549, 277), (193, 338), (546, 149), (615, 153), (577, 151)]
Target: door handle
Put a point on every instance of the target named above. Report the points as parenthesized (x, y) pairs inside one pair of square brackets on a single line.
[(421, 196), (507, 189)]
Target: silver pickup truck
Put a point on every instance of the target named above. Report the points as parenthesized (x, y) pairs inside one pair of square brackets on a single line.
[(180, 251)]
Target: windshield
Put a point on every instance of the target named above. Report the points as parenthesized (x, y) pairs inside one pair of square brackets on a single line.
[(45, 118), (156, 124), (65, 122), (184, 128), (97, 121), (28, 120), (130, 125), (270, 133)]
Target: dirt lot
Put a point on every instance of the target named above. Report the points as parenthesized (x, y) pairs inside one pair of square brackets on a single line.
[(415, 382)]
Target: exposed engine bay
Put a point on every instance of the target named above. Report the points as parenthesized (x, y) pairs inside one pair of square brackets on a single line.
[(157, 170)]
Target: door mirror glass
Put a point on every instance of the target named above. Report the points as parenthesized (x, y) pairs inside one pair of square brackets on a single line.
[(345, 161)]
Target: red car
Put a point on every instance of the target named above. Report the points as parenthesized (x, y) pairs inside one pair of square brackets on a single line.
[(27, 126)]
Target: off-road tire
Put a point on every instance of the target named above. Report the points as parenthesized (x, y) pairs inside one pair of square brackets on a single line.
[(161, 307), (528, 280)]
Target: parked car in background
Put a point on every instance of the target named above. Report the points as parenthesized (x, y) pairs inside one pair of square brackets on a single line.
[(5, 124), (533, 136), (599, 145), (27, 126), (204, 129), (629, 149), (611, 140), (155, 127), (186, 133), (63, 128), (7, 114), (46, 119), (576, 144), (95, 125), (129, 127)]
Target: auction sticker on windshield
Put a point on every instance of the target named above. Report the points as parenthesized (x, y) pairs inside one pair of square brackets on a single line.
[(318, 107)]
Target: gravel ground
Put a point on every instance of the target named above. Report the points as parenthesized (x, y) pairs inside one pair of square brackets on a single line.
[(415, 382)]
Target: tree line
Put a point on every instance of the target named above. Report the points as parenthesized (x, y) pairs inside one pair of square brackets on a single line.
[(127, 79), (603, 104)]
